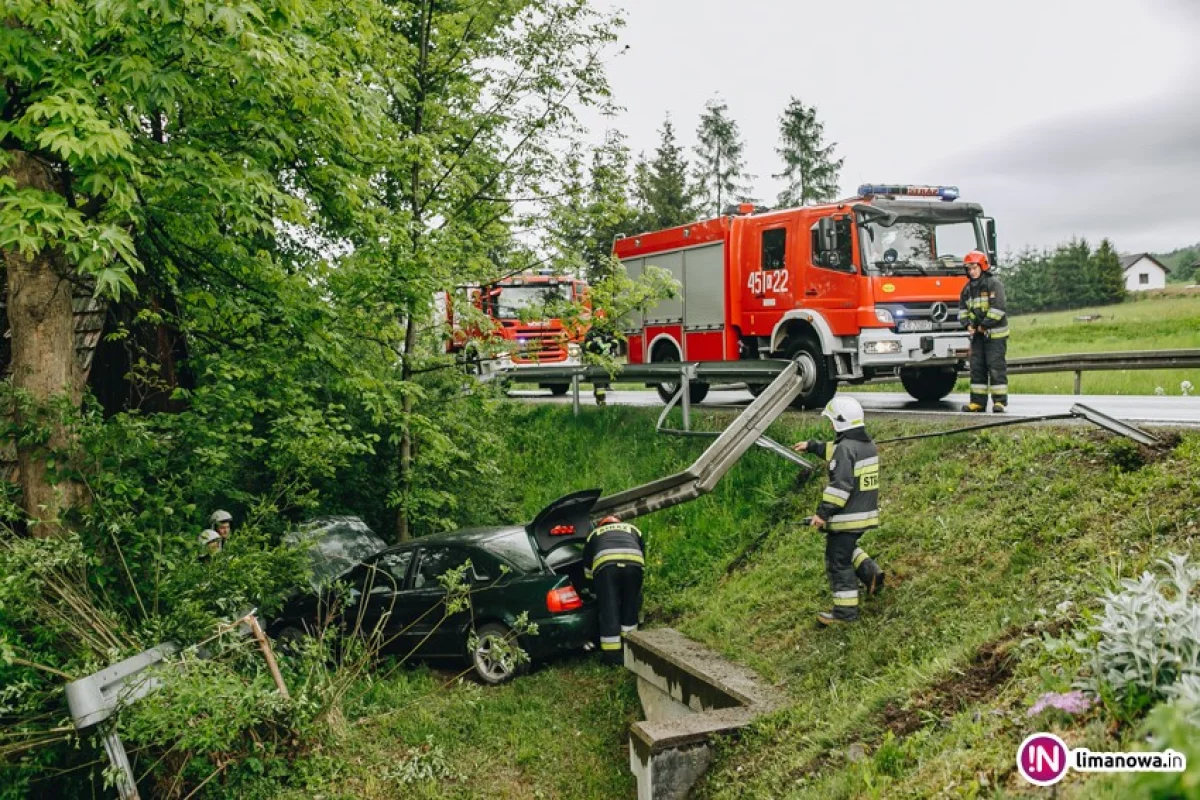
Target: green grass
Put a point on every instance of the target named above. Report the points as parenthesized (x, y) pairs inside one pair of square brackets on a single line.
[(984, 537)]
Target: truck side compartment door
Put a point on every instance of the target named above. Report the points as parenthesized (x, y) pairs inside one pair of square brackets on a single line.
[(768, 278)]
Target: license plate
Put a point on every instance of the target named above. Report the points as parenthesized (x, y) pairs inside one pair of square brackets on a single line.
[(915, 325)]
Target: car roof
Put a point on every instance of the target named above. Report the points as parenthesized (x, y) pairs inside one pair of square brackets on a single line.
[(467, 536), (510, 544)]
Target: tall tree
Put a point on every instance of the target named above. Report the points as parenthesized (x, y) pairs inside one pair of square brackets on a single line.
[(590, 211), (661, 189), (132, 130), (1106, 274), (721, 171), (482, 94), (809, 167)]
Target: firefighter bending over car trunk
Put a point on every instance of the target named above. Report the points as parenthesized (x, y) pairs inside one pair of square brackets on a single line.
[(981, 310), (849, 508), (613, 560)]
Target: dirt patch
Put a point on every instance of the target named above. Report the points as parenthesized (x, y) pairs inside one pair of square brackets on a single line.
[(989, 670)]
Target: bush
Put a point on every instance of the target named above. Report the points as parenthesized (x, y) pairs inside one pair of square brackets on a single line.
[(1149, 640)]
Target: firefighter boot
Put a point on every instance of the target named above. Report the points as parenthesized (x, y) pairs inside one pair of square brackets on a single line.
[(998, 408), (829, 619), (974, 408), (868, 572), (601, 395)]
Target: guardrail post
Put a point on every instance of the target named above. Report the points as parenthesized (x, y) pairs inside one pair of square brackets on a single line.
[(685, 386), (1078, 381), (575, 392)]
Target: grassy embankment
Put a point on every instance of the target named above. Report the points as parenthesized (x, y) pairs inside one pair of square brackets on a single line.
[(985, 537)]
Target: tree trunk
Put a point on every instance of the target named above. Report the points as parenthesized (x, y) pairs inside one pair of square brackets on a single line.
[(43, 360), (403, 533)]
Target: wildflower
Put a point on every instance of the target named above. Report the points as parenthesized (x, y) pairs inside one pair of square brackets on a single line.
[(1075, 702)]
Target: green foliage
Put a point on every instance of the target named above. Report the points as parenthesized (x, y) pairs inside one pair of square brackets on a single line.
[(809, 167), (720, 169), (1070, 276)]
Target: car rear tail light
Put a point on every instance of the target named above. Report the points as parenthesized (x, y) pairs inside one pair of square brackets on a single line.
[(562, 530), (564, 599)]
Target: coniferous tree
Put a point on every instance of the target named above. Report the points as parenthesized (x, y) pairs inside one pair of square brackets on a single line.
[(809, 167), (661, 190), (720, 173)]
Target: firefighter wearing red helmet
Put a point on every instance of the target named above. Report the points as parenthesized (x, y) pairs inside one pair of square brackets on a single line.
[(981, 310), (613, 560)]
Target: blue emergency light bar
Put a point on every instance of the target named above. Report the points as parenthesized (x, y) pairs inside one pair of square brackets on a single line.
[(945, 192)]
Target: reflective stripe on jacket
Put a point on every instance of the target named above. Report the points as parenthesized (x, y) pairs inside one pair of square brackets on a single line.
[(850, 503), (615, 543), (982, 304)]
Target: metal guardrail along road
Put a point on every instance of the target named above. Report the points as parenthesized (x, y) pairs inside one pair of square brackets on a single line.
[(717, 372)]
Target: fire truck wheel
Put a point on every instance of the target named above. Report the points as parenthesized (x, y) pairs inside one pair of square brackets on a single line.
[(807, 351), (559, 389), (697, 390), (930, 384)]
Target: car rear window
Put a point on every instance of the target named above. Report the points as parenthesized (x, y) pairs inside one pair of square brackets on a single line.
[(516, 549)]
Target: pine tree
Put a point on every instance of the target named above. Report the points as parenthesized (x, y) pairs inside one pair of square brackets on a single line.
[(661, 188), (810, 170), (720, 173), (1106, 274)]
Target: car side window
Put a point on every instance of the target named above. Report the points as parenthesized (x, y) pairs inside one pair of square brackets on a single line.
[(435, 562), (396, 565), (774, 248)]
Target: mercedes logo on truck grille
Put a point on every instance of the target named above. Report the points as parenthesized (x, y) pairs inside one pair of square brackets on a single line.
[(939, 312)]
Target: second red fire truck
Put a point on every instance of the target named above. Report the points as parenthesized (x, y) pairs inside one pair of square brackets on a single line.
[(857, 289)]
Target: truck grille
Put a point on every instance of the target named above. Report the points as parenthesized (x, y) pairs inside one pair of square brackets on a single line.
[(539, 347), (925, 312)]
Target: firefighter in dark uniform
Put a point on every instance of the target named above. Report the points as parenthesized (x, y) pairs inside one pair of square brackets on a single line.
[(599, 343), (981, 310), (849, 508), (614, 559)]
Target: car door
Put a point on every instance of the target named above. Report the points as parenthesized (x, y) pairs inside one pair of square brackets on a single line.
[(831, 277), (378, 587), (432, 628), (768, 285)]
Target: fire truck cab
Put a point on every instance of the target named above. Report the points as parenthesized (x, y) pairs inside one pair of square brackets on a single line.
[(859, 288)]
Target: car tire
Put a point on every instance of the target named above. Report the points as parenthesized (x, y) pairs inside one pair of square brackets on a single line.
[(288, 638), (808, 351), (559, 389), (490, 667)]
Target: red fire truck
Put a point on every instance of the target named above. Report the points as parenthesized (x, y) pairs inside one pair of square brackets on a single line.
[(515, 340), (860, 288)]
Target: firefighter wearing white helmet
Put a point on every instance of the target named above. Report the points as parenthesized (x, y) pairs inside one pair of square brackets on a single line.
[(214, 537), (849, 508)]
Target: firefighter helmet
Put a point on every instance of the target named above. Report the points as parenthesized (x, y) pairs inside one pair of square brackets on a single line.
[(208, 536), (609, 520), (845, 413), (978, 258), (220, 516)]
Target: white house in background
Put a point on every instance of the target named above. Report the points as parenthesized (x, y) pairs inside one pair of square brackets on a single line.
[(1143, 272)]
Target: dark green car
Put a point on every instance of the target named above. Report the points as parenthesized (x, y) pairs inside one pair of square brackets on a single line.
[(394, 595)]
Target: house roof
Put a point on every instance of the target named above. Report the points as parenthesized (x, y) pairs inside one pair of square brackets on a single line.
[(1131, 259)]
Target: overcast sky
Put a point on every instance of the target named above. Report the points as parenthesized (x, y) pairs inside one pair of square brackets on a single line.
[(1062, 117)]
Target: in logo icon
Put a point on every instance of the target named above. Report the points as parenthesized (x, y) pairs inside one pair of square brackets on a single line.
[(1042, 759)]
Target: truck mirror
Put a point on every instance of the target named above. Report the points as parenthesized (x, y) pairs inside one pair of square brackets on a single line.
[(989, 226), (827, 235)]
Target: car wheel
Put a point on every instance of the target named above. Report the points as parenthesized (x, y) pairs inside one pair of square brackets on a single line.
[(289, 638), (559, 389), (697, 390), (491, 657)]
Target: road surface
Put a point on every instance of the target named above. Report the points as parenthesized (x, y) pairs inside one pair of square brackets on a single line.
[(1183, 411)]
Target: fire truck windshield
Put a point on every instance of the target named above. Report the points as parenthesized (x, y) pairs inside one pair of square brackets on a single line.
[(918, 247), (512, 300)]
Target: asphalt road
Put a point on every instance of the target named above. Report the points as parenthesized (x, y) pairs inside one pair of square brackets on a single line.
[(1146, 409)]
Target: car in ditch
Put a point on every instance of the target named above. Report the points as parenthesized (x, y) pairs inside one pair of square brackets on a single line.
[(393, 595)]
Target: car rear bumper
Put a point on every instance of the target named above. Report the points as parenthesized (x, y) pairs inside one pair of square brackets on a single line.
[(572, 630)]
